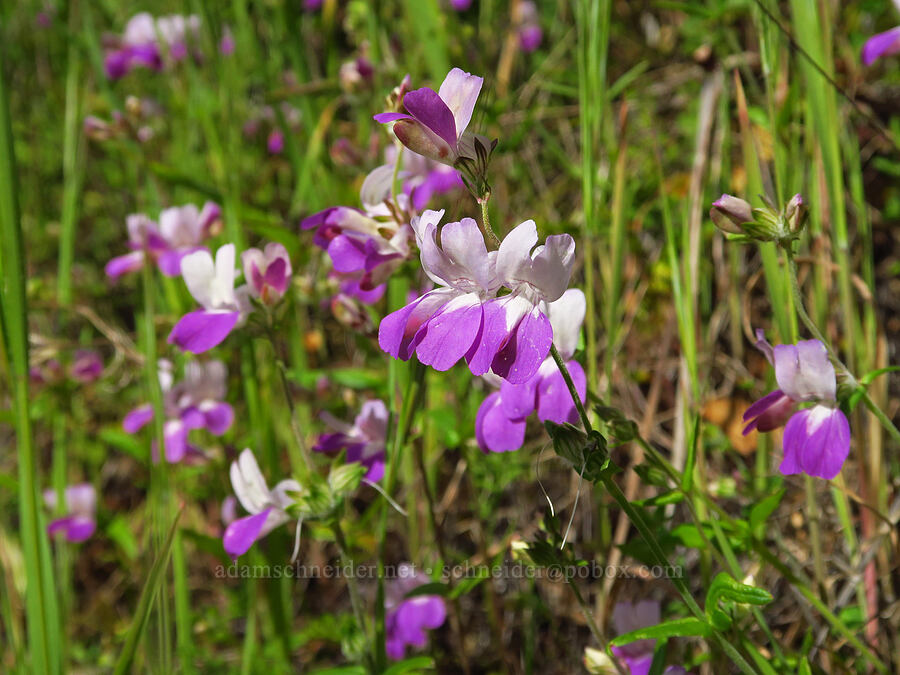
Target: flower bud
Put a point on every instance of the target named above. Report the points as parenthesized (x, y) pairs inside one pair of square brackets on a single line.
[(598, 663), (795, 214), (730, 213)]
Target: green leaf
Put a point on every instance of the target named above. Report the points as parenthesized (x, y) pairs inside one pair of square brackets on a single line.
[(433, 588), (467, 585), (687, 478), (688, 627), (761, 512), (725, 587), (415, 664), (142, 613)]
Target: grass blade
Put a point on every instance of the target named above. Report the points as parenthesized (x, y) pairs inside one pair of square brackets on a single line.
[(145, 603)]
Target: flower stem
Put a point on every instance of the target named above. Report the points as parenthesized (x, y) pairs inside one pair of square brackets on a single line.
[(353, 587), (817, 334), (486, 229)]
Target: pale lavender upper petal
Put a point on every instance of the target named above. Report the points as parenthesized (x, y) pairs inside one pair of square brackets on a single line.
[(816, 442), (763, 345), (398, 331), (459, 91), (882, 44), (804, 372), (566, 316)]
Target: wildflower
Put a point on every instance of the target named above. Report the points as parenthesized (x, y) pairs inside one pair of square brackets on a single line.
[(461, 5), (46, 372), (268, 272), (528, 25), (355, 74), (267, 508), (226, 44), (501, 420), (197, 402), (275, 142), (79, 523), (364, 440), (87, 366), (212, 286), (509, 335), (436, 121), (407, 618), (365, 245), (144, 40), (638, 655), (423, 178), (816, 439), (181, 230), (882, 44)]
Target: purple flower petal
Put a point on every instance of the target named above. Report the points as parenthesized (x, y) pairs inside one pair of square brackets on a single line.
[(200, 331), (804, 372), (554, 400), (816, 442), (240, 535), (218, 418), (526, 349), (459, 91), (494, 431), (769, 412), (123, 264), (386, 118), (449, 334), (882, 44), (519, 400), (75, 528), (432, 112), (137, 418), (398, 331)]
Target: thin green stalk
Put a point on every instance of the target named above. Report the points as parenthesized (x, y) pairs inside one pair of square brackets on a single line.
[(71, 167), (355, 595), (486, 223), (40, 594), (411, 403)]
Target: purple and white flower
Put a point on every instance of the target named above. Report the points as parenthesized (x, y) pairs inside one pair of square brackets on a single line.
[(181, 230), (528, 26), (462, 318), (267, 508), (424, 178), (501, 420), (267, 272), (882, 44), (79, 522), (197, 402), (365, 245), (364, 440), (407, 618), (212, 285), (816, 439), (146, 39), (87, 366), (436, 121)]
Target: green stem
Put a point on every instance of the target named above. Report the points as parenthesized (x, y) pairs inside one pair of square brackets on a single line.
[(353, 587), (486, 229)]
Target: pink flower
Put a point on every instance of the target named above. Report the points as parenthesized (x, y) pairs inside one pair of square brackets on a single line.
[(79, 523)]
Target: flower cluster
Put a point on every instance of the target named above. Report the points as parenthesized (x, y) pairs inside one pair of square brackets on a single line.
[(816, 439), (197, 402), (463, 317), (181, 230)]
